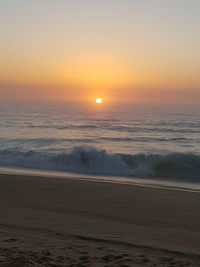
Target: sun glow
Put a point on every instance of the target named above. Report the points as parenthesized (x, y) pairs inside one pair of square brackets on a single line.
[(99, 100)]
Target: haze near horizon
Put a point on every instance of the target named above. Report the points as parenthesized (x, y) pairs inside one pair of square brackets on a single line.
[(129, 53)]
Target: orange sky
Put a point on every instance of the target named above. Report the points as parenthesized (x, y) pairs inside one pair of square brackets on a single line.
[(130, 52)]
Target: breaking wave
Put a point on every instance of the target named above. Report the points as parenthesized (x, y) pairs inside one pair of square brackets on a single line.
[(91, 160)]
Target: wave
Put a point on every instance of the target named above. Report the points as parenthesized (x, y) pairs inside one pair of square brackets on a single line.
[(91, 160), (162, 128), (143, 139), (42, 142), (45, 141)]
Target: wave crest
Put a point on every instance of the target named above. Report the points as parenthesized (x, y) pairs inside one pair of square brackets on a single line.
[(91, 160)]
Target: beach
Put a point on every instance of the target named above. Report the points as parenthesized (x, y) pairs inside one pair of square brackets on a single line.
[(49, 221), (100, 133)]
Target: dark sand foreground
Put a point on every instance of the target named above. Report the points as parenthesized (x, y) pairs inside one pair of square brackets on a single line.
[(62, 222)]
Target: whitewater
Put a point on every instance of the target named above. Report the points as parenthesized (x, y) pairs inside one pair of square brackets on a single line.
[(134, 144)]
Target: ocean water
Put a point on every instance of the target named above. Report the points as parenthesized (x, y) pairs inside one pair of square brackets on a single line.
[(134, 143)]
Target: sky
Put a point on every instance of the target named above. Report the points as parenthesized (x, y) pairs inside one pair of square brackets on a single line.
[(130, 52)]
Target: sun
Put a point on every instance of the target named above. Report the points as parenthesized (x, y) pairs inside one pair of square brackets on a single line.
[(99, 100)]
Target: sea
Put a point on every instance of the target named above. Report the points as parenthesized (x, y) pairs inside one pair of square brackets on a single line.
[(135, 143)]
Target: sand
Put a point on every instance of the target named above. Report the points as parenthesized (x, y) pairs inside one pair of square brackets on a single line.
[(46, 221)]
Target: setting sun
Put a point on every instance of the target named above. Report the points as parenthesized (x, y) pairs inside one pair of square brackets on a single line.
[(99, 100)]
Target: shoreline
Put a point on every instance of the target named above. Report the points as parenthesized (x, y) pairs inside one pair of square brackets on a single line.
[(151, 182), (84, 213)]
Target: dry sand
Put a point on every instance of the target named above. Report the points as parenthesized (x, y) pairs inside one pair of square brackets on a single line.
[(63, 222)]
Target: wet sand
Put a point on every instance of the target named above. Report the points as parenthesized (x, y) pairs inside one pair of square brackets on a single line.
[(63, 222)]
